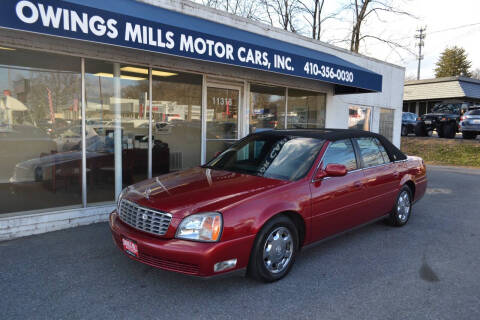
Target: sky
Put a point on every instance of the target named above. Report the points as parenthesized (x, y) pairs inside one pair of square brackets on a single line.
[(448, 23)]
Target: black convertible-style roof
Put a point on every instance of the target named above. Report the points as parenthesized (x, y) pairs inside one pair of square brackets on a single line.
[(339, 134)]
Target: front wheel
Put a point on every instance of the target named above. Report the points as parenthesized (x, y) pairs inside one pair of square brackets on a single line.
[(420, 130), (404, 131), (402, 209), (449, 130), (274, 251)]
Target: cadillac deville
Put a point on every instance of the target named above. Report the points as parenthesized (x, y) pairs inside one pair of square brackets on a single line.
[(257, 204)]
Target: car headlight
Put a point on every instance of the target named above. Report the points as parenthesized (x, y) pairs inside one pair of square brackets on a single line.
[(205, 227)]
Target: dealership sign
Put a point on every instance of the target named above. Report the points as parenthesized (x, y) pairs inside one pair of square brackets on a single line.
[(69, 20)]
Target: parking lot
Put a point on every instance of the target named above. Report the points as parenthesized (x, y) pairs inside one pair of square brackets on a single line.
[(425, 270)]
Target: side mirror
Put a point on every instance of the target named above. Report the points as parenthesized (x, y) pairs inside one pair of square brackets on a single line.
[(331, 170), (217, 154)]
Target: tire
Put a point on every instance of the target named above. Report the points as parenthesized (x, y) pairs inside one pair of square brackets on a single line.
[(402, 209), (281, 234), (440, 132), (404, 131), (420, 130), (449, 130), (469, 135)]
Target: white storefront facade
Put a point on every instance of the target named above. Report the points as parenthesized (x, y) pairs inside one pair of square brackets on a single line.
[(97, 95)]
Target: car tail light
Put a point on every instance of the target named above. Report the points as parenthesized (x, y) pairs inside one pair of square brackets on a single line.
[(463, 118), (418, 119), (443, 119)]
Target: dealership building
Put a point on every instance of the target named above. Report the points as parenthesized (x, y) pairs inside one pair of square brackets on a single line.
[(97, 95)]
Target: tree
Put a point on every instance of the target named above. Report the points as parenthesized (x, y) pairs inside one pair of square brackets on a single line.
[(453, 62), (476, 74), (315, 16), (362, 11), (283, 12)]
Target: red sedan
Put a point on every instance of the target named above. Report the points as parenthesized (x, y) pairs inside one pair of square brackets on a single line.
[(258, 203)]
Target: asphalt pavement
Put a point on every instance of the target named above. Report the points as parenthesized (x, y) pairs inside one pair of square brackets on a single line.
[(429, 269)]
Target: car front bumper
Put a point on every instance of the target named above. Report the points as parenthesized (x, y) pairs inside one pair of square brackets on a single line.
[(183, 256)]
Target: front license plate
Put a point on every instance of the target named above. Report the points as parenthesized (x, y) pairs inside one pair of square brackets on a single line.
[(428, 122), (130, 247), (476, 121)]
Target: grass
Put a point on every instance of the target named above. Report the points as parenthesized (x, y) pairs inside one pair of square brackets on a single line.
[(456, 152)]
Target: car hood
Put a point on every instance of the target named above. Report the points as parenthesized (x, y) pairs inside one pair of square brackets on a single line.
[(198, 190)]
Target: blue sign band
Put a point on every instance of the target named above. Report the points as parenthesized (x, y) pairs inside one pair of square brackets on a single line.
[(70, 20)]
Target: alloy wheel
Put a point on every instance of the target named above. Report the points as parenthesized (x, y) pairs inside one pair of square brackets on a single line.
[(278, 250), (403, 206)]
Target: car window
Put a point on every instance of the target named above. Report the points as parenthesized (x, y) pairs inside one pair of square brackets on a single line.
[(474, 112), (271, 156), (370, 152), (341, 152), (384, 153)]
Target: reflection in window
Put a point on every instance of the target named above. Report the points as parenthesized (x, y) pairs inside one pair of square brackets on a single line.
[(103, 102), (267, 107), (341, 152), (176, 113), (40, 117), (222, 119), (386, 122), (359, 118), (275, 157), (306, 109), (370, 151)]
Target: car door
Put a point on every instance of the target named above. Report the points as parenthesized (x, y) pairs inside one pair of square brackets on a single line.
[(381, 177), (338, 203)]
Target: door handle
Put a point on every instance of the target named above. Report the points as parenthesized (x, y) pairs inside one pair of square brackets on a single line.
[(357, 185)]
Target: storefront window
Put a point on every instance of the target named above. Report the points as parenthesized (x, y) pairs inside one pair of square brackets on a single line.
[(267, 107), (386, 123), (176, 113), (306, 109), (359, 118), (115, 90), (40, 118)]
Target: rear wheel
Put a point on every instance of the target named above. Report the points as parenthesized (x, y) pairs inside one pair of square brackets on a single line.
[(274, 251), (404, 131), (469, 135), (402, 209), (449, 130), (420, 130)]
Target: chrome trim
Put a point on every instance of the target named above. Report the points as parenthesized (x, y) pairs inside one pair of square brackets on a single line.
[(144, 219)]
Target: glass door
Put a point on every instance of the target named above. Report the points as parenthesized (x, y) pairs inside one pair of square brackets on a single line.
[(222, 126)]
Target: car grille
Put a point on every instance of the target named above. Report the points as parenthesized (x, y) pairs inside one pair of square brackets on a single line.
[(144, 219)]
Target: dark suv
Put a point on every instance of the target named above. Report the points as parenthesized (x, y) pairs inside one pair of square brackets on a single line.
[(444, 118)]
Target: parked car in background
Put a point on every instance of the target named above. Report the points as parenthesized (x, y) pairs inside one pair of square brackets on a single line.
[(409, 121), (470, 123), (256, 204), (444, 118)]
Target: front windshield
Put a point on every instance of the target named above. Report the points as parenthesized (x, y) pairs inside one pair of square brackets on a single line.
[(446, 108), (270, 156)]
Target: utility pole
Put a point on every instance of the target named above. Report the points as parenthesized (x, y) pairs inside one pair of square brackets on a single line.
[(420, 36)]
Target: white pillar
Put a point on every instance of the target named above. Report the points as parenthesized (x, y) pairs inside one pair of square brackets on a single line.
[(117, 90)]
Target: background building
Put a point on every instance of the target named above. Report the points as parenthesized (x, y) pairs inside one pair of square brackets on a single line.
[(85, 82), (420, 96)]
